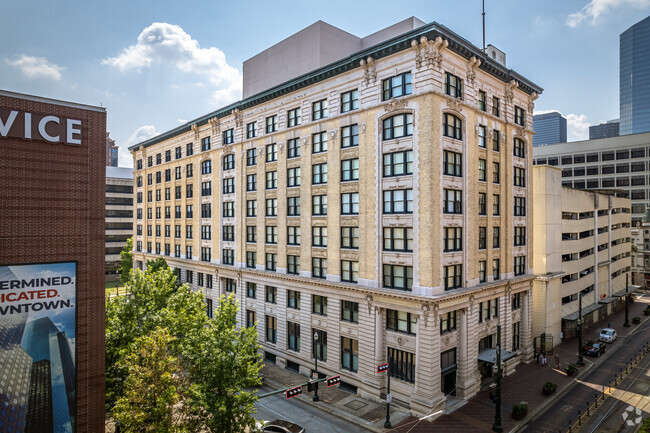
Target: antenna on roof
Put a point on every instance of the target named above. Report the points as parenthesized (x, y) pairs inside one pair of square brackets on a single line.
[(483, 25)]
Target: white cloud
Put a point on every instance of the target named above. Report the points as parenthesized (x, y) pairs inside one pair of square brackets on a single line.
[(577, 127), (36, 67), (139, 135), (165, 44), (597, 8), (181, 120)]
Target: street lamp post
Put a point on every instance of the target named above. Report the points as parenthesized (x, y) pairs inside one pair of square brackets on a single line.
[(389, 398), (581, 361), (315, 366), (497, 427), (627, 312)]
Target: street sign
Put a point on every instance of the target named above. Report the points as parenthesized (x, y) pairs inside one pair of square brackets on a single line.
[(293, 392), (382, 367), (334, 380), (389, 398)]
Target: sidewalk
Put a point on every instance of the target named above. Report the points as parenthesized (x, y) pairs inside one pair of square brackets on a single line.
[(525, 384), (368, 415)]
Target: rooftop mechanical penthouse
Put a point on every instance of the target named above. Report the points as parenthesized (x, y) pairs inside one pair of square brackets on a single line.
[(380, 200)]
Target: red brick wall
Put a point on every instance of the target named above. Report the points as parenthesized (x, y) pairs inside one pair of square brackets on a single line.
[(52, 210)]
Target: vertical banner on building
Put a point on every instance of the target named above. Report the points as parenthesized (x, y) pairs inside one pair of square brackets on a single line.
[(37, 347)]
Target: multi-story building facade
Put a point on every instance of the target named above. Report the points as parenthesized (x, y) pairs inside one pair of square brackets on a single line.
[(641, 252), (111, 151), (550, 128), (119, 216), (372, 202), (634, 78), (618, 163), (604, 130), (582, 249)]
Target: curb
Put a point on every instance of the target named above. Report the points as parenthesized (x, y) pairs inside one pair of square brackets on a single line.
[(329, 409)]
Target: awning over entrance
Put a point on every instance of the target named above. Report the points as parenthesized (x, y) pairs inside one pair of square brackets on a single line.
[(585, 310), (619, 294), (490, 356)]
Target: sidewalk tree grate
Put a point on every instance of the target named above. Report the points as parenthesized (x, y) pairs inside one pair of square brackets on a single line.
[(356, 404)]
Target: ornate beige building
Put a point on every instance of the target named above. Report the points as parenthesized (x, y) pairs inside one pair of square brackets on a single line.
[(381, 202)]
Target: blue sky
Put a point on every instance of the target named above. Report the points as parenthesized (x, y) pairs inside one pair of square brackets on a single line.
[(152, 77)]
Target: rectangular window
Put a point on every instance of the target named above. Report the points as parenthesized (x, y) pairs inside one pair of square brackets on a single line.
[(271, 180), (188, 232), (495, 106), (350, 136), (402, 365), (396, 86), (453, 85), (349, 271), (319, 142), (293, 117), (453, 276), (293, 336), (293, 147), (228, 256), (189, 170), (496, 172), (447, 322), (452, 163), (482, 170), (208, 307), (399, 125), (251, 182), (271, 329), (515, 335), (320, 345), (397, 163), (271, 207), (229, 185), (319, 110), (206, 232), (516, 301), (350, 237), (189, 149), (481, 136), (319, 305), (271, 261), (293, 265), (319, 236), (482, 100), (318, 267), (205, 144), (482, 238), (496, 204), (495, 140), (251, 157), (349, 101), (271, 152), (293, 206), (398, 239), (350, 203), (251, 234), (251, 259), (520, 177), (520, 206), (206, 188), (228, 233), (293, 235), (520, 236), (453, 240), (349, 354), (398, 201), (251, 208), (271, 235), (452, 202), (271, 294), (350, 311), (229, 136), (319, 174), (178, 192), (251, 289), (520, 265), (482, 272), (189, 211), (229, 285), (319, 205), (496, 237), (398, 277), (519, 148), (229, 209), (159, 158), (482, 203), (520, 116), (271, 124), (496, 273), (401, 321), (250, 318), (350, 169), (250, 130), (188, 252), (293, 176), (206, 254)]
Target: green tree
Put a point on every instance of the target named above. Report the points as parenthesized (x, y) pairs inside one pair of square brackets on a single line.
[(126, 261), (223, 362), (155, 265), (154, 388)]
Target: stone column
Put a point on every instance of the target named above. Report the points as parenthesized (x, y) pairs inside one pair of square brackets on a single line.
[(467, 383), (371, 352), (427, 365), (526, 343)]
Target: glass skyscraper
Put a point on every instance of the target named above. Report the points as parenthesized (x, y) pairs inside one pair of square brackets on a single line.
[(550, 128), (635, 78)]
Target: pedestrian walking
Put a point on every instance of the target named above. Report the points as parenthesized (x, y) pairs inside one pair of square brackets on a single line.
[(557, 360), (543, 358)]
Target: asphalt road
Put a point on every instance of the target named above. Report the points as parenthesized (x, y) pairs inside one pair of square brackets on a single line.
[(294, 410), (558, 415)]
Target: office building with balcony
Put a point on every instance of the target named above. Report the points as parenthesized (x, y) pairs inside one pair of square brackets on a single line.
[(634, 78), (582, 249), (379, 200), (616, 163), (550, 128)]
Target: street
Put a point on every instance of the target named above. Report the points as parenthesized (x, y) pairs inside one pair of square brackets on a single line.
[(565, 410), (294, 410)]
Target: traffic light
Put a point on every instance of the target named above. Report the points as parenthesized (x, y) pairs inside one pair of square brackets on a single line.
[(293, 392), (335, 380), (382, 367), (312, 385)]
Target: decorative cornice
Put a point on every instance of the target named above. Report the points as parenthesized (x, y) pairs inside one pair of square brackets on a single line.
[(395, 105), (472, 64)]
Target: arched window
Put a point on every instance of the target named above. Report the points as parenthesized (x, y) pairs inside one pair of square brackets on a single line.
[(229, 162), (519, 148), (399, 125), (206, 166), (453, 127)]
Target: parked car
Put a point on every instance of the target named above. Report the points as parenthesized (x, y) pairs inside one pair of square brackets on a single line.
[(281, 426), (608, 335), (594, 349)]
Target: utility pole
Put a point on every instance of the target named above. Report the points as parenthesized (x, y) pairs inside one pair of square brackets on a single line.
[(627, 311), (483, 25), (315, 365), (497, 427), (581, 361), (389, 398)]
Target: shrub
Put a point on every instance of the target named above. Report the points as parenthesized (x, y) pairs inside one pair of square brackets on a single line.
[(549, 388), (520, 410), (636, 320), (645, 428), (571, 369), (646, 312)]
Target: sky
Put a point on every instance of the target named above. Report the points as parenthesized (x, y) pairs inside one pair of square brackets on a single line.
[(157, 64)]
